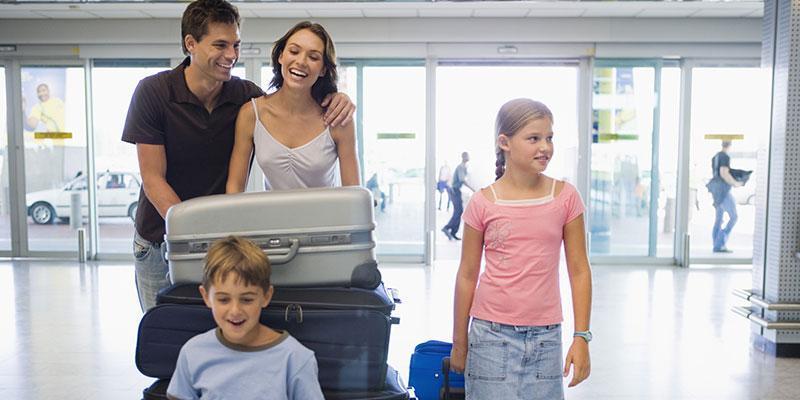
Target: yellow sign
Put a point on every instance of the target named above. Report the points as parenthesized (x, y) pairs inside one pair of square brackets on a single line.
[(52, 135), (396, 135), (724, 136), (613, 137)]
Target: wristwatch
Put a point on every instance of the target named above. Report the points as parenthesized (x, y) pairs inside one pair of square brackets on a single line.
[(585, 335)]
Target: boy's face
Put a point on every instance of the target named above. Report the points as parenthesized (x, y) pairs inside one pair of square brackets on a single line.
[(237, 308)]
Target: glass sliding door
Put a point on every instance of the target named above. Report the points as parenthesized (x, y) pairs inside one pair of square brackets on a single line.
[(731, 105), (54, 137), (266, 78), (5, 207), (669, 133), (393, 135), (390, 129), (620, 208), (465, 123), (116, 162)]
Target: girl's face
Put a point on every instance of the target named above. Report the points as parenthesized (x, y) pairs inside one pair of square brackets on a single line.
[(530, 148), (302, 60)]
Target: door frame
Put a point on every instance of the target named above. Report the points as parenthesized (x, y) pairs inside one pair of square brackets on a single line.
[(16, 146), (652, 249), (682, 242)]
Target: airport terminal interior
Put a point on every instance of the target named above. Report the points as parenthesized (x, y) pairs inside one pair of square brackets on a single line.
[(644, 95)]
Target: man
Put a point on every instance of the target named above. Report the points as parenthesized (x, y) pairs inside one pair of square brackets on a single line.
[(49, 111), (720, 188), (182, 122), (459, 179)]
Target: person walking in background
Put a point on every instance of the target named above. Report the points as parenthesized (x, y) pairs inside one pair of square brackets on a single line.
[(443, 185), (460, 178), (720, 188), (513, 348), (374, 186)]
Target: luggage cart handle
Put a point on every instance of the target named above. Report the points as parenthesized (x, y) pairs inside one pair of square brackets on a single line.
[(283, 258)]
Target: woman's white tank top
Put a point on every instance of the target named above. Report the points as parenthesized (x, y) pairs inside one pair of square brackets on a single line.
[(314, 164)]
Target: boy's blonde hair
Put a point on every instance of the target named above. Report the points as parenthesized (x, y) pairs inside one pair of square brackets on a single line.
[(512, 117), (239, 256)]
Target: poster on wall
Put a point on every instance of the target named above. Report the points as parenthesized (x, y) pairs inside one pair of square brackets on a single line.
[(43, 107), (53, 108)]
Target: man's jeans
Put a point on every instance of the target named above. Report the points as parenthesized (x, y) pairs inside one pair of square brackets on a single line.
[(719, 234), (458, 209), (151, 270)]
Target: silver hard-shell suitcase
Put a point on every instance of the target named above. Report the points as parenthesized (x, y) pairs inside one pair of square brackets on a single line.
[(313, 237)]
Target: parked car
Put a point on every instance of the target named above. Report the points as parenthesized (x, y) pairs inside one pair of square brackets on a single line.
[(745, 195), (117, 196)]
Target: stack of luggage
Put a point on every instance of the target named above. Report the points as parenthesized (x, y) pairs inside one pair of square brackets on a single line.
[(328, 290)]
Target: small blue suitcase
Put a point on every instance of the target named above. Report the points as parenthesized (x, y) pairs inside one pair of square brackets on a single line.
[(427, 374)]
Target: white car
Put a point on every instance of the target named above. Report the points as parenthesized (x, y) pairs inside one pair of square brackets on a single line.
[(117, 196), (745, 195)]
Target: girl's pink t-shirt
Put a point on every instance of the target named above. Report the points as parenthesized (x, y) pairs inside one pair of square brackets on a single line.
[(522, 244)]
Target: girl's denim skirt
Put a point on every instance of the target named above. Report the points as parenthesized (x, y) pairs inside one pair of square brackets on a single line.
[(507, 362)]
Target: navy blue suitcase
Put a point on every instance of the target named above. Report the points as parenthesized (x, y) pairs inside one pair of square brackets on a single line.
[(430, 374), (394, 389), (347, 328)]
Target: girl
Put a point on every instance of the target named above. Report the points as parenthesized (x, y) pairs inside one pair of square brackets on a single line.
[(293, 145), (514, 345)]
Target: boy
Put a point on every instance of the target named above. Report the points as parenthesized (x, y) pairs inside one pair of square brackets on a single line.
[(241, 358)]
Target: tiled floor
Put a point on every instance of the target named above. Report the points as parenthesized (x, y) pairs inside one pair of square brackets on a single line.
[(68, 332)]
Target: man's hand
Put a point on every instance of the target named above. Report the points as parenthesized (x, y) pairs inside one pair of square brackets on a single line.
[(578, 355), (340, 109)]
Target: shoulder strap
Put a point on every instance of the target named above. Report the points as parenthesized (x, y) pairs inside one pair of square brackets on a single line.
[(255, 107), (553, 189), (494, 194)]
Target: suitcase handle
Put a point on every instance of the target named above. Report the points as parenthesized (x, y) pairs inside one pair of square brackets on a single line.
[(446, 392), (446, 376), (279, 258)]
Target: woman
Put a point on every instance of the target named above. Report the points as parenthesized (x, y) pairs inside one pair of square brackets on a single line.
[(294, 145)]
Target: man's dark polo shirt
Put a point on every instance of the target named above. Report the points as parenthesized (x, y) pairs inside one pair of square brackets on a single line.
[(198, 144)]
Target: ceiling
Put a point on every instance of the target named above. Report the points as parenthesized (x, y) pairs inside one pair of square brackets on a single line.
[(393, 9)]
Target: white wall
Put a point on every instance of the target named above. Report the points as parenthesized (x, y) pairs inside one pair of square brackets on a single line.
[(408, 37)]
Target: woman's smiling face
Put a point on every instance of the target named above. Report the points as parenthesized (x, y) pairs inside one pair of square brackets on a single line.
[(302, 60)]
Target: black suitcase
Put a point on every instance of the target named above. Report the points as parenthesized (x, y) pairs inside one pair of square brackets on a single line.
[(322, 298), (394, 389), (156, 391), (347, 328)]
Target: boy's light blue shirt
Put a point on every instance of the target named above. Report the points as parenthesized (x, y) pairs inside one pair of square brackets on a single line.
[(209, 367)]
